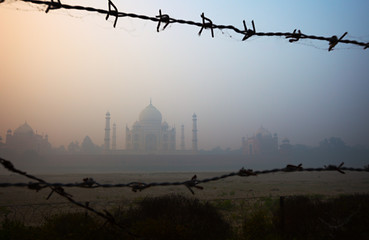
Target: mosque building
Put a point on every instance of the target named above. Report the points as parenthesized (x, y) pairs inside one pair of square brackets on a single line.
[(25, 139), (262, 142), (149, 134)]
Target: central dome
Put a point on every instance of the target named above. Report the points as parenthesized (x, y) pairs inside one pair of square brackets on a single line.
[(24, 129), (150, 114)]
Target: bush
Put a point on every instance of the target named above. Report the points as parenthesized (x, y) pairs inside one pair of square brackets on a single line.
[(70, 226), (176, 217), (345, 217), (15, 230), (259, 225)]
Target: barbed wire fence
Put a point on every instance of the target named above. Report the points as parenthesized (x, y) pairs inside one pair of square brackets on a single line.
[(193, 183), (164, 20)]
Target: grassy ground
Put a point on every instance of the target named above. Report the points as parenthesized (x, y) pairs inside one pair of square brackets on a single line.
[(180, 217), (250, 206)]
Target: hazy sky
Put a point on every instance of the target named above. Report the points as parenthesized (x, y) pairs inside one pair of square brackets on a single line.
[(62, 71)]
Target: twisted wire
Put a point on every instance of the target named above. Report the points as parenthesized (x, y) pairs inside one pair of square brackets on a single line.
[(205, 24), (139, 186), (60, 191)]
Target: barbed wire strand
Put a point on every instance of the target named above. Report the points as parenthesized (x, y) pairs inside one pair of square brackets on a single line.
[(139, 186), (206, 23), (59, 190)]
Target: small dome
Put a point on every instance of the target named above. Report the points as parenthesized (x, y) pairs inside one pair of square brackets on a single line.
[(150, 114), (164, 125), (263, 132), (24, 129)]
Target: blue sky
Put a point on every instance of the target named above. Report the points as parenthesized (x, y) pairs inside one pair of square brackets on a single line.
[(63, 70)]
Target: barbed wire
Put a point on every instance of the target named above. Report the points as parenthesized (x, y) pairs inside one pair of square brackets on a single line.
[(206, 23), (139, 186), (60, 191)]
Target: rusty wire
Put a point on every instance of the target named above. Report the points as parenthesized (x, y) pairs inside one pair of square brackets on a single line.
[(206, 23)]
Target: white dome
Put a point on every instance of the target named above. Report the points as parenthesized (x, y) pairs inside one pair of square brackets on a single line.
[(24, 129), (263, 132), (150, 114)]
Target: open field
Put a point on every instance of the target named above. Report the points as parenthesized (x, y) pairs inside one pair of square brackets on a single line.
[(32, 206)]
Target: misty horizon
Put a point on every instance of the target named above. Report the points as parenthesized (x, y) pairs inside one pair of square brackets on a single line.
[(61, 74), (188, 144)]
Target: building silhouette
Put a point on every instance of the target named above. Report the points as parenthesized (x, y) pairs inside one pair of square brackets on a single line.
[(24, 139), (149, 134), (194, 134), (107, 132), (262, 142)]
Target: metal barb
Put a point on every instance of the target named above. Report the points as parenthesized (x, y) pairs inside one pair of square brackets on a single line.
[(295, 36), (162, 18), (35, 186), (335, 168), (53, 5), (246, 172), (193, 183), (88, 182), (248, 32), (206, 23), (333, 41), (114, 12), (292, 168), (138, 186)]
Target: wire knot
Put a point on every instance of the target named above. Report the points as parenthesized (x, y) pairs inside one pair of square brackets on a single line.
[(206, 23), (60, 191), (193, 183), (88, 182), (162, 18), (335, 168), (248, 32), (333, 41), (294, 36), (35, 186), (113, 12), (137, 186), (53, 5), (293, 168), (246, 172)]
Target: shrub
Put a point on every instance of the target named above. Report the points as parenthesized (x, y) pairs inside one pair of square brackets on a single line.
[(176, 217), (345, 217), (15, 230), (70, 226)]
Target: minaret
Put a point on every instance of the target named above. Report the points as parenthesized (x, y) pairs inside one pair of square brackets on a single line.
[(107, 132), (114, 143), (194, 133), (182, 138), (8, 136)]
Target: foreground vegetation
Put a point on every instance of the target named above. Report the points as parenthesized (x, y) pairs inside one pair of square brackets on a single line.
[(179, 217)]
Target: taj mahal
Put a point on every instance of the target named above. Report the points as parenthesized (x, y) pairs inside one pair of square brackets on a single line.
[(150, 134)]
